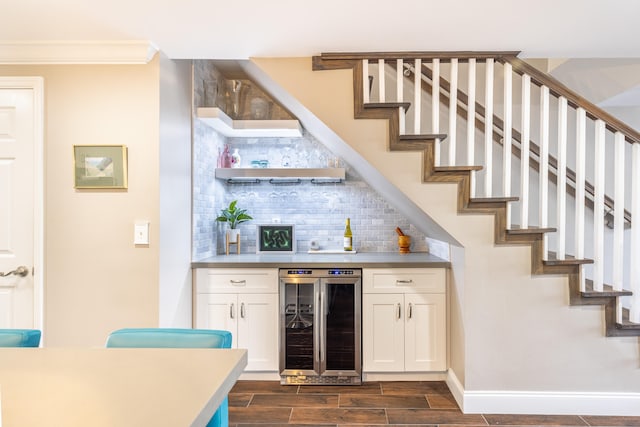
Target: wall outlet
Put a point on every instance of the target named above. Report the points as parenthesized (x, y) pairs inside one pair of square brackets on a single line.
[(141, 233)]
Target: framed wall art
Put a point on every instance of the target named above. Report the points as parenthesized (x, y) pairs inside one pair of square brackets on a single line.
[(276, 238), (100, 166)]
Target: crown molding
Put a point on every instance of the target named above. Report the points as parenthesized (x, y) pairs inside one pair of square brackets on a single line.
[(77, 52)]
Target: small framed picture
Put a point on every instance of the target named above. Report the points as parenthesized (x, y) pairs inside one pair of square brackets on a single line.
[(100, 166), (276, 239)]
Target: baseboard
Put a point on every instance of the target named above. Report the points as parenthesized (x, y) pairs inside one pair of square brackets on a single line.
[(543, 402), (404, 376)]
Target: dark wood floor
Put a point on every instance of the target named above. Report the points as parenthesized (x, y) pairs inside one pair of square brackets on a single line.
[(428, 403)]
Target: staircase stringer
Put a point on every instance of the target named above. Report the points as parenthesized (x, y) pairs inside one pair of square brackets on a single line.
[(466, 205)]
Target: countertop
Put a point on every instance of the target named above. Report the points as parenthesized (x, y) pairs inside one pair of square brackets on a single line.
[(325, 260)]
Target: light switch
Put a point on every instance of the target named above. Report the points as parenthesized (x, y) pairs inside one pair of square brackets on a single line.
[(141, 233)]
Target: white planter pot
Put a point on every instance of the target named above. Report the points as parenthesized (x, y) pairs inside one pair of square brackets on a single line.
[(233, 234)]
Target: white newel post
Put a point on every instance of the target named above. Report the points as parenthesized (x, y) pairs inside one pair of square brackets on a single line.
[(598, 207), (506, 148), (453, 109), (471, 123), (634, 274), (581, 137), (524, 149), (561, 188), (488, 129), (544, 165), (435, 106)]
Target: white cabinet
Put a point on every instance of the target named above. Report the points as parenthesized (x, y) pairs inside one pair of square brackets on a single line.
[(244, 302), (404, 316)]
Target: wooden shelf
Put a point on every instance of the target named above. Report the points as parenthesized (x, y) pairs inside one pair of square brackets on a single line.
[(218, 120), (282, 174)]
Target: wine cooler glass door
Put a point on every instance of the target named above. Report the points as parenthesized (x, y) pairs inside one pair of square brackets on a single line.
[(340, 352), (298, 327)]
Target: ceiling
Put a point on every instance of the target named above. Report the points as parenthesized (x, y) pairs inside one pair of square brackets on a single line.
[(239, 29), (601, 37)]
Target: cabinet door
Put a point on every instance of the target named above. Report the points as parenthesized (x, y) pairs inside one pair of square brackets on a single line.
[(425, 332), (258, 330), (218, 311), (382, 332)]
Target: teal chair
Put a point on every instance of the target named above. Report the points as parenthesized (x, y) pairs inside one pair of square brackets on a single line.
[(20, 337), (176, 338)]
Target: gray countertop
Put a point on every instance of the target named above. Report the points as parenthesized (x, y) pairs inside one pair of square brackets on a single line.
[(325, 260)]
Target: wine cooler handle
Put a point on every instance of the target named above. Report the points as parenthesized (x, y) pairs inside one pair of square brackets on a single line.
[(321, 336), (399, 309), (232, 313), (410, 311), (242, 310)]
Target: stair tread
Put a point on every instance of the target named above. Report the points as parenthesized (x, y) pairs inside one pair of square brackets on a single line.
[(457, 168), (423, 136), (493, 199), (607, 291), (626, 323), (569, 260), (515, 229), (404, 105)]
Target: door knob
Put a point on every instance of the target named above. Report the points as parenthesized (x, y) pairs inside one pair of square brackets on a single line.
[(21, 271)]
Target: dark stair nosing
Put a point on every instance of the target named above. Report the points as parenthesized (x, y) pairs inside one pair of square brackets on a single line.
[(423, 137), (569, 260), (530, 230), (404, 105), (607, 291), (456, 168), (493, 199)]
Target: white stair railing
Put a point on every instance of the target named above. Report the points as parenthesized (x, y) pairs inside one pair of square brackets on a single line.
[(570, 152)]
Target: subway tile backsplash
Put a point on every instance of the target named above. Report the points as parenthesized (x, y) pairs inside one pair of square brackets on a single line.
[(318, 211)]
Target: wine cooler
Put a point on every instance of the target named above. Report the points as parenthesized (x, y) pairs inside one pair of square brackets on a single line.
[(320, 326)]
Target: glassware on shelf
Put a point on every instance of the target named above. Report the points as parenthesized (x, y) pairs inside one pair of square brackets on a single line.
[(259, 108), (234, 98), (210, 92)]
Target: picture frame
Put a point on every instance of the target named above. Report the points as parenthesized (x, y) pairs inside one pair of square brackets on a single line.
[(276, 239), (100, 166)]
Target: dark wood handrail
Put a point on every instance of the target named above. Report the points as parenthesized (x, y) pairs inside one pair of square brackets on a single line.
[(462, 56), (558, 89)]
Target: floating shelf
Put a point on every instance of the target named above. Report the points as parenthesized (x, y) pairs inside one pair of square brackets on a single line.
[(218, 120), (275, 175)]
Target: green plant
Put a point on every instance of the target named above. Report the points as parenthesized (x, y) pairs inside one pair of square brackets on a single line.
[(233, 215)]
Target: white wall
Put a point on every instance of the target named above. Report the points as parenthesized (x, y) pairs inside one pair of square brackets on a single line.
[(175, 193)]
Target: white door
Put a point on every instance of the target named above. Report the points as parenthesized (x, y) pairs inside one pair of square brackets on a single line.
[(258, 330), (425, 332), (382, 333), (21, 201)]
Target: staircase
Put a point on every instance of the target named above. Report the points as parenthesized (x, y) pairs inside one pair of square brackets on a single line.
[(392, 78)]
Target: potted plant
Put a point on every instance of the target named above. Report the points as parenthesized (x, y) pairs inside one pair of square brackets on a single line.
[(233, 216)]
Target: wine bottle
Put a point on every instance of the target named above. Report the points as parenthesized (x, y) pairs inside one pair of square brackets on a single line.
[(348, 237)]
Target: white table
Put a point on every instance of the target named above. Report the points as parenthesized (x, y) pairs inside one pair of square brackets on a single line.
[(115, 386)]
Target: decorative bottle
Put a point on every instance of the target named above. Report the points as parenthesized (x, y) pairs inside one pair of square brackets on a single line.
[(235, 159), (348, 236), (226, 157)]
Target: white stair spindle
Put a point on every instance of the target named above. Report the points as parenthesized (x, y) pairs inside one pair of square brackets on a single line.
[(561, 187), (598, 207), (634, 273), (618, 214), (488, 129), (471, 123), (544, 165), (365, 81), (453, 109), (524, 149), (417, 96), (581, 142), (435, 107), (400, 94), (506, 148), (381, 82)]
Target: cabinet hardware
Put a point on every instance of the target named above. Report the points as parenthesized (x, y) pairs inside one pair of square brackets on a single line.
[(238, 282), (399, 311), (242, 310), (21, 271), (232, 313), (404, 282), (410, 311)]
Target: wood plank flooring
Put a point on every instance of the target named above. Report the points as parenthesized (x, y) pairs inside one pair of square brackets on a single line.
[(419, 403)]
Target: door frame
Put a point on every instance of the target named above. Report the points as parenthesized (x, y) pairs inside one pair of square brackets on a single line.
[(36, 84)]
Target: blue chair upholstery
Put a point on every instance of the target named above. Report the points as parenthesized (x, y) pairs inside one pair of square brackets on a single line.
[(176, 338), (20, 337)]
